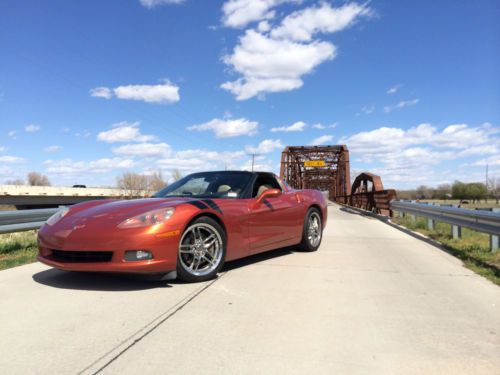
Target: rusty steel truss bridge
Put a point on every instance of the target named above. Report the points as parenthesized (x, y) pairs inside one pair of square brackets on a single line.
[(327, 168)]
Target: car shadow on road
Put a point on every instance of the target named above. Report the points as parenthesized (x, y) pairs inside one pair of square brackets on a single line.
[(109, 282), (96, 281), (253, 259)]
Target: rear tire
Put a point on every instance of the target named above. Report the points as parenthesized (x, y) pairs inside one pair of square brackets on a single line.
[(312, 233), (202, 250)]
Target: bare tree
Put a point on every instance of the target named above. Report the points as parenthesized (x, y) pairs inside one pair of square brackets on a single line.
[(15, 182), (156, 181), (494, 188), (37, 179), (176, 174), (424, 192), (135, 184), (140, 184), (443, 191)]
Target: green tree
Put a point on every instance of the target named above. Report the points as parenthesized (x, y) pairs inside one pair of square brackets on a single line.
[(459, 190), (476, 191)]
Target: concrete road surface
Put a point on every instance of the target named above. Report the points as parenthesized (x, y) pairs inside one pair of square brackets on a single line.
[(372, 300)]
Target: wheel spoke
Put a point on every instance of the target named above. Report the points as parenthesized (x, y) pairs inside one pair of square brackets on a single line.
[(212, 262), (209, 240)]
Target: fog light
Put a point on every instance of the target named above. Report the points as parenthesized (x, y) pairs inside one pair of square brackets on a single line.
[(132, 255)]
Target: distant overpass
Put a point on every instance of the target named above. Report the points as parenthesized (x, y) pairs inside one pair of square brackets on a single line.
[(26, 197)]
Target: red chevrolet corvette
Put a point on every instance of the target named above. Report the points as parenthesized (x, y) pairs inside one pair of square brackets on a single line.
[(188, 229)]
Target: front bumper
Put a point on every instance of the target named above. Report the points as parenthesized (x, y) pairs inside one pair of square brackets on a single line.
[(163, 247)]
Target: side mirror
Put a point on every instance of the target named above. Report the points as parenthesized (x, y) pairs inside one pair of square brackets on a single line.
[(269, 193)]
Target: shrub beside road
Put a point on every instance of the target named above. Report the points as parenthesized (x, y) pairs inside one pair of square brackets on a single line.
[(17, 249), (472, 248)]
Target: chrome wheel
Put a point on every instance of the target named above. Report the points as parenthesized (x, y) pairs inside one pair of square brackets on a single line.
[(200, 249), (314, 229)]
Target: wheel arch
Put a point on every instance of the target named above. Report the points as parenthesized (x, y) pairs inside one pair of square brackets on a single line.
[(211, 215), (317, 207)]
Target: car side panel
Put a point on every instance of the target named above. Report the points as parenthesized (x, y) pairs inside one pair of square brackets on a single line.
[(233, 213), (274, 223)]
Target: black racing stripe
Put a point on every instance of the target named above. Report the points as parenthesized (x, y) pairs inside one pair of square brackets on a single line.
[(198, 204), (212, 205), (268, 204)]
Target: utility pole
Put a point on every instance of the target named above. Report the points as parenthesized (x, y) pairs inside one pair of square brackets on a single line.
[(486, 176), (253, 159)]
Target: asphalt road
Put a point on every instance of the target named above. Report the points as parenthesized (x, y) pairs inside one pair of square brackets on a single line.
[(372, 300)]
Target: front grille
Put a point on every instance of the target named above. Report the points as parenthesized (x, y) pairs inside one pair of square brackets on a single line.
[(81, 256)]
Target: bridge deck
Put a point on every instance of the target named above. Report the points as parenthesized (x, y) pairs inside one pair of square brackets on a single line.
[(371, 300)]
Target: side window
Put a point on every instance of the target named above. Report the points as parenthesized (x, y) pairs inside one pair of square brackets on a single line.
[(263, 183)]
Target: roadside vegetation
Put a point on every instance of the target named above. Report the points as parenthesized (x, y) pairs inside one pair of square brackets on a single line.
[(17, 249), (473, 248), (468, 195)]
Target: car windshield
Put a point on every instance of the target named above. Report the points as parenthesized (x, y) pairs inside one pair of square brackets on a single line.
[(209, 184)]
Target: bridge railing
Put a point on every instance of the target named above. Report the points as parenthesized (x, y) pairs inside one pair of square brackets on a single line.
[(373, 201), (18, 221), (478, 220)]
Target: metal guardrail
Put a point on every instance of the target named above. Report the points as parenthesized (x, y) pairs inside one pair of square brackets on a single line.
[(18, 221), (478, 220)]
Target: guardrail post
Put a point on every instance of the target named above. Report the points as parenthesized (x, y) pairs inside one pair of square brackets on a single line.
[(494, 242), (456, 231), (431, 223)]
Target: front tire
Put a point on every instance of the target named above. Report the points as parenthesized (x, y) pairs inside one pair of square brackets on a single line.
[(312, 233), (202, 250)]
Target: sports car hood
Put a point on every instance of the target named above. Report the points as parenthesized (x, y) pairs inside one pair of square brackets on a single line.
[(123, 209)]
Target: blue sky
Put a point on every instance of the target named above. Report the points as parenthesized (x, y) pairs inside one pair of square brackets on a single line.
[(90, 89)]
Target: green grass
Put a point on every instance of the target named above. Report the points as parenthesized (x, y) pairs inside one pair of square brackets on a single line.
[(473, 248), (17, 249)]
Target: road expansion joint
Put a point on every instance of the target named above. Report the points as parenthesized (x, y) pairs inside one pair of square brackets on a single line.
[(111, 356)]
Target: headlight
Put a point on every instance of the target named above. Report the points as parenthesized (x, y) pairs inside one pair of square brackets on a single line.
[(57, 216), (154, 217)]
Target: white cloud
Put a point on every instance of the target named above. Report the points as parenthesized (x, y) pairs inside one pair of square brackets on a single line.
[(11, 159), (303, 24), (270, 65), (83, 134), (210, 155), (265, 147), (263, 27), (165, 93), (144, 150), (401, 104), (239, 13), (322, 127), (153, 3), (394, 89), (492, 161), (275, 59), (201, 160), (124, 132), (225, 128), (101, 92), (104, 165), (3, 149), (54, 148), (32, 128), (12, 134), (406, 155), (295, 127), (321, 140), (367, 109)]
